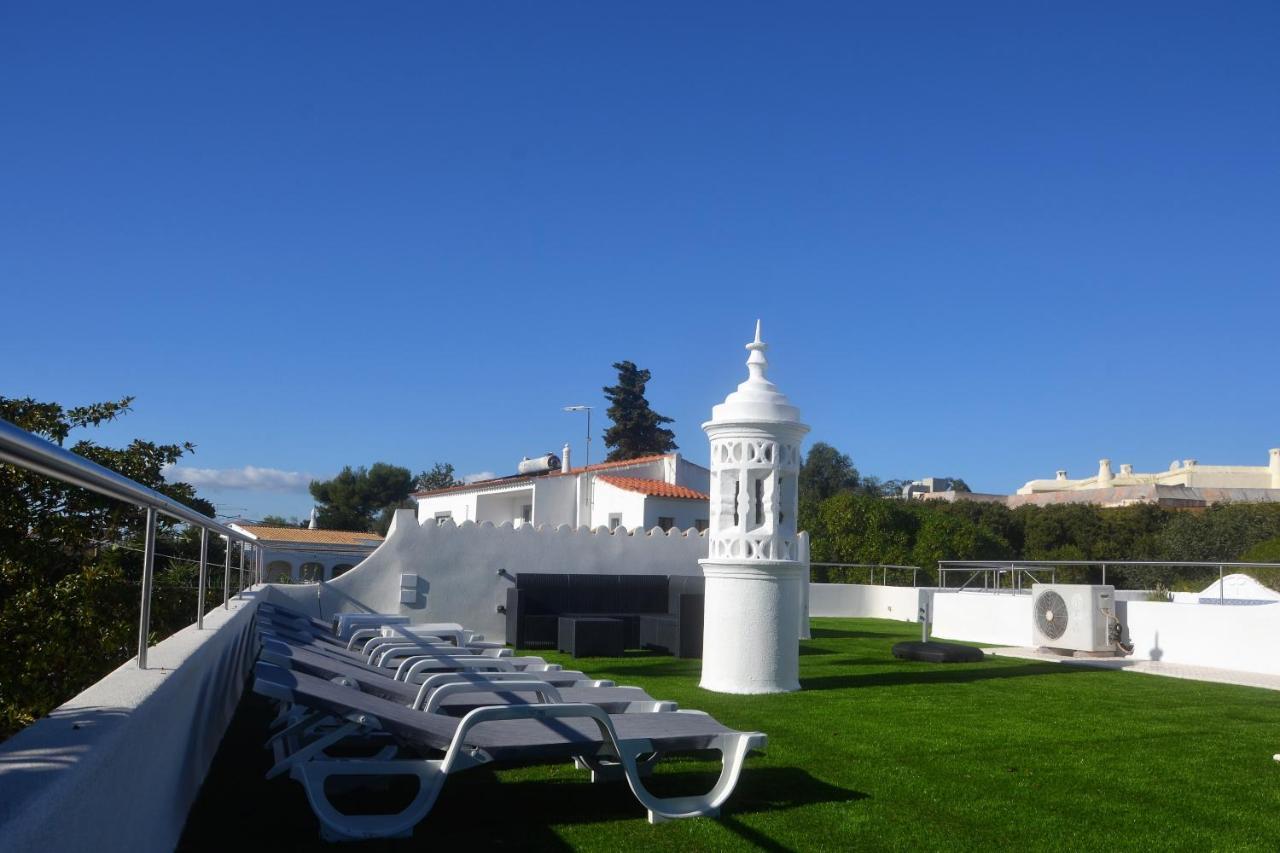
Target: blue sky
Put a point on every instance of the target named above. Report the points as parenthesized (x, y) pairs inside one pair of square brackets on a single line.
[(985, 239)]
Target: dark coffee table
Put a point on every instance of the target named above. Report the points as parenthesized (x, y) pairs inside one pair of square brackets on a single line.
[(590, 636)]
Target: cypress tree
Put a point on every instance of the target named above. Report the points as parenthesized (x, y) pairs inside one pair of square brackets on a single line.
[(637, 429)]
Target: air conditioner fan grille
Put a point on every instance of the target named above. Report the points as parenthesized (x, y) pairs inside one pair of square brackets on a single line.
[(1051, 615)]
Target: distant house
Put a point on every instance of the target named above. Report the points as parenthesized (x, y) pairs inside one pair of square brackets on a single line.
[(663, 491), (306, 554), (1185, 485)]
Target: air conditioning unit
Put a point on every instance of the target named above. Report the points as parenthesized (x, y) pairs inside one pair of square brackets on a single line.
[(1075, 617)]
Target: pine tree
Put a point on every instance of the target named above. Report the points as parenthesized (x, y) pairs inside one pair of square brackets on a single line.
[(637, 429)]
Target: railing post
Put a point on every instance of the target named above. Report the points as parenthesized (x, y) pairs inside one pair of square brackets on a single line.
[(204, 577), (241, 592), (1104, 574), (226, 579), (1222, 593), (148, 566)]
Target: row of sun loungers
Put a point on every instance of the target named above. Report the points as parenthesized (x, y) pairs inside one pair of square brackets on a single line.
[(430, 701)]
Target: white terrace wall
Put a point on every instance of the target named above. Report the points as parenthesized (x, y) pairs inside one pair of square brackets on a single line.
[(118, 767), (902, 603), (1242, 637), (455, 568), (982, 617)]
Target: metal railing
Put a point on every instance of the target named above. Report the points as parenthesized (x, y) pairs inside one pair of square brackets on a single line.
[(871, 568), (993, 571), (21, 448)]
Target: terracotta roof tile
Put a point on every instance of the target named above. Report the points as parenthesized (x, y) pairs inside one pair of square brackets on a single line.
[(519, 479), (308, 536), (654, 488)]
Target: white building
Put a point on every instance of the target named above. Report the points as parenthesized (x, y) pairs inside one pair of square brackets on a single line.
[(663, 491), (1188, 472), (1186, 483), (293, 554)]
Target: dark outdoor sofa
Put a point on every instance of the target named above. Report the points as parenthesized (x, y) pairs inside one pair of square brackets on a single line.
[(656, 611)]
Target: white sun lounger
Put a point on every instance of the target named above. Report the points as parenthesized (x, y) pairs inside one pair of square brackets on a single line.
[(611, 745)]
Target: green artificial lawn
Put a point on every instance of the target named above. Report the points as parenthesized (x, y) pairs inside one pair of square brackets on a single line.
[(874, 754)]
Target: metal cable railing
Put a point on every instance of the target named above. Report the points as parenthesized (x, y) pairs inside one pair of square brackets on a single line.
[(993, 572), (21, 448), (871, 568)]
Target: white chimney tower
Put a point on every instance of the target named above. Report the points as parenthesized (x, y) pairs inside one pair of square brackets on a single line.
[(754, 573), (313, 524)]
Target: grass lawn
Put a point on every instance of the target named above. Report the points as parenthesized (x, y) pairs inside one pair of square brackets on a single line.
[(874, 754)]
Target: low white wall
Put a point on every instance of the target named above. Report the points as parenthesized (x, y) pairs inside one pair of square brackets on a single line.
[(1242, 637), (1000, 619), (456, 568), (119, 766), (866, 600)]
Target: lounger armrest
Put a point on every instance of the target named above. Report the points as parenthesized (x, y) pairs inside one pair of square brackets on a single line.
[(409, 667), (546, 694), (483, 679), (362, 636), (377, 648)]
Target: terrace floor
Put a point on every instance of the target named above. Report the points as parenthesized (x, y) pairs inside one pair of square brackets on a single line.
[(874, 754)]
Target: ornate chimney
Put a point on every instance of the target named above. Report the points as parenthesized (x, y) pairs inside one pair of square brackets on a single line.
[(754, 570)]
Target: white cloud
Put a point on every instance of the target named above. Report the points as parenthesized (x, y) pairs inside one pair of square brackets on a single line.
[(250, 477), (478, 476)]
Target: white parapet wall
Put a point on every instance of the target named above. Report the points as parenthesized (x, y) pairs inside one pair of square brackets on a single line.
[(1240, 637), (998, 619), (118, 767), (868, 601), (461, 573)]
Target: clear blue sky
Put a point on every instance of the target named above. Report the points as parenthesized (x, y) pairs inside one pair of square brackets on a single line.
[(986, 239)]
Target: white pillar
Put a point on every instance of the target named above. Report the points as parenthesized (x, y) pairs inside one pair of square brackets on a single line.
[(805, 575), (1105, 476), (1274, 467), (754, 566)]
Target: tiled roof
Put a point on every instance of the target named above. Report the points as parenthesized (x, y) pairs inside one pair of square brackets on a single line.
[(519, 479), (310, 537), (654, 488)]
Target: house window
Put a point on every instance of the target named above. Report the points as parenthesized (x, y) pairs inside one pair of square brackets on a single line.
[(615, 521), (441, 516), (701, 524), (526, 513), (666, 522)]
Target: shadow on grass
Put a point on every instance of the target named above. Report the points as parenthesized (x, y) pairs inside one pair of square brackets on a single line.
[(834, 633), (933, 674)]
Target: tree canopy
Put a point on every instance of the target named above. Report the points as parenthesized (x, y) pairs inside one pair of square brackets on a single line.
[(70, 562), (826, 472), (281, 521), (637, 429), (440, 476), (362, 499)]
